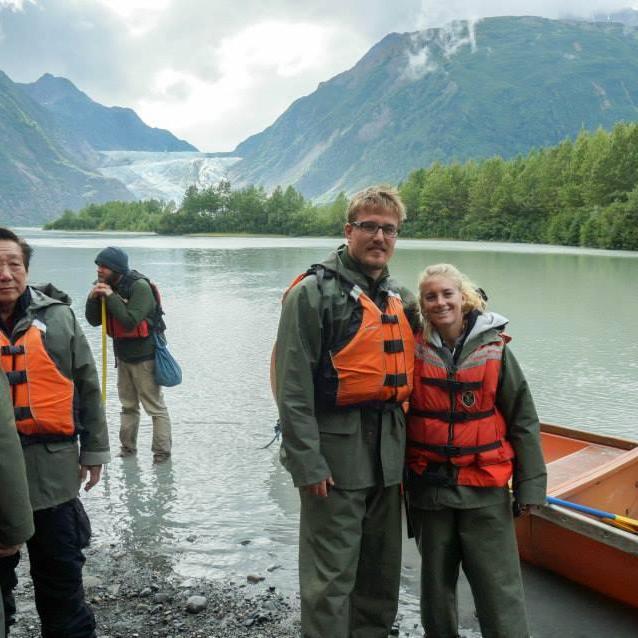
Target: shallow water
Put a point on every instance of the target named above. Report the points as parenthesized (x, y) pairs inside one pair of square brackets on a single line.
[(223, 507)]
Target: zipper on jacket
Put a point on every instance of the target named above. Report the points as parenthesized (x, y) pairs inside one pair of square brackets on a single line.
[(451, 373)]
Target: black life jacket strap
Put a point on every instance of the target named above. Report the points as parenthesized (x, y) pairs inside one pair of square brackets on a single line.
[(17, 377), (452, 384), (378, 406), (393, 346), (395, 380), (455, 450), (32, 439), (22, 413), (12, 350), (452, 417), (385, 318)]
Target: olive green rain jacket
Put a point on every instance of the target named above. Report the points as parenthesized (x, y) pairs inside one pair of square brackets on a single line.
[(139, 306), (358, 447), (53, 469), (16, 518), (515, 402)]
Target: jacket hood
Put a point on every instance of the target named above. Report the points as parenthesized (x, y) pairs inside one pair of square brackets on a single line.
[(44, 295), (343, 265), (485, 322)]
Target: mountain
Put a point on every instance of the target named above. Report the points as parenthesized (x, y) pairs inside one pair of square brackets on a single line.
[(104, 128), (44, 168), (468, 90)]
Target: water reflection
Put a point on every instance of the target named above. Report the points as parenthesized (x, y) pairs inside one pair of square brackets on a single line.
[(572, 316), (146, 526)]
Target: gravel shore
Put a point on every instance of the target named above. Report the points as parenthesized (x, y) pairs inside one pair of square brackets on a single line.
[(134, 595)]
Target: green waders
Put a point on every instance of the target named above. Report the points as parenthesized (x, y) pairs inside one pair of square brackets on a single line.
[(482, 540), (350, 562)]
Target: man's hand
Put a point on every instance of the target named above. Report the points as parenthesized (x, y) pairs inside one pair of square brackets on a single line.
[(320, 489), (101, 290), (519, 509), (94, 472), (9, 551)]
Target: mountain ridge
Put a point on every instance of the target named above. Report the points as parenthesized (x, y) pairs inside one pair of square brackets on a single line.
[(500, 86), (43, 167), (105, 128)]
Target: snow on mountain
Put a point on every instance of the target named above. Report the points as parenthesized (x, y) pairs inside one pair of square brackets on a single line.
[(165, 176)]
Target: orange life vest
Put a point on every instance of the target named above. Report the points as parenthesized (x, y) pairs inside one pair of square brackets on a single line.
[(42, 396), (374, 366), (453, 416)]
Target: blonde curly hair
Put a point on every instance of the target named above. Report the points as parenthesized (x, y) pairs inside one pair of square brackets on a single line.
[(473, 297)]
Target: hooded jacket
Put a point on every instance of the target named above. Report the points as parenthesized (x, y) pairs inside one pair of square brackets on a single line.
[(130, 306), (52, 468), (16, 518), (515, 404), (358, 447)]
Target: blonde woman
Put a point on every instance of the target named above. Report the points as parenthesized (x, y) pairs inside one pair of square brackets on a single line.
[(472, 428)]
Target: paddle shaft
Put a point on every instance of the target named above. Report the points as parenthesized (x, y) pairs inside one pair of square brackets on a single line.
[(630, 522), (103, 308)]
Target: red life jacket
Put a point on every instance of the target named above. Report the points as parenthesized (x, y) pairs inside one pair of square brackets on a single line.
[(374, 366), (42, 396), (453, 416), (115, 328)]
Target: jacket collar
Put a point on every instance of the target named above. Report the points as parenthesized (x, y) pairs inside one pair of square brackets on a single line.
[(343, 264), (20, 310)]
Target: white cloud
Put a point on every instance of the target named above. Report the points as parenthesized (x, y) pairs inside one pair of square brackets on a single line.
[(139, 16), (446, 41), (252, 67), (289, 49), (14, 5)]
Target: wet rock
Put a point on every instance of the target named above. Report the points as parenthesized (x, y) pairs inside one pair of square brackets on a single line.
[(161, 598), (195, 604), (188, 583), (254, 578), (272, 568), (91, 582), (192, 538)]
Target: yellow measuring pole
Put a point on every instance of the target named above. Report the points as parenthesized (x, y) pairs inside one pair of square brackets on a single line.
[(103, 350)]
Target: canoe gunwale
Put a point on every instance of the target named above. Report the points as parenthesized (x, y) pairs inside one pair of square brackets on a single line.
[(590, 437), (596, 530)]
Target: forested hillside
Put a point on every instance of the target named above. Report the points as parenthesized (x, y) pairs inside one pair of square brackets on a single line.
[(501, 86), (579, 193)]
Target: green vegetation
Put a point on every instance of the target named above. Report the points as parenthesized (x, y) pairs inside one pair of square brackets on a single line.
[(579, 193), (116, 215), (216, 209)]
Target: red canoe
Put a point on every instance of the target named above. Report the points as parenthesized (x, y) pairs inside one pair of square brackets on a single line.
[(599, 472)]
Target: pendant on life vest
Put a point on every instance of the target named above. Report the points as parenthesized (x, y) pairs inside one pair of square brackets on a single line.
[(468, 399)]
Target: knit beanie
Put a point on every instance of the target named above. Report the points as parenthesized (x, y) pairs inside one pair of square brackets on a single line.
[(114, 258)]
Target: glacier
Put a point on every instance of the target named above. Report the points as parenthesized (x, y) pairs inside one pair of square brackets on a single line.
[(165, 175)]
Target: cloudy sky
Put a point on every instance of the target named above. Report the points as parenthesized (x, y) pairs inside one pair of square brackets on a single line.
[(216, 71)]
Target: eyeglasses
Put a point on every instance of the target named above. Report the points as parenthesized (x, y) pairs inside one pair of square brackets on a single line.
[(372, 228)]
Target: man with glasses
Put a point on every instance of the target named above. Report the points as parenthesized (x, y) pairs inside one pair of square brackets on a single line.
[(343, 368)]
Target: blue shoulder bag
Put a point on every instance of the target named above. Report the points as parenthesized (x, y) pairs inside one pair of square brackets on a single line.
[(167, 370)]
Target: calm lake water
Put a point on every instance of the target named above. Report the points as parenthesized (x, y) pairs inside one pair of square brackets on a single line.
[(224, 507)]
